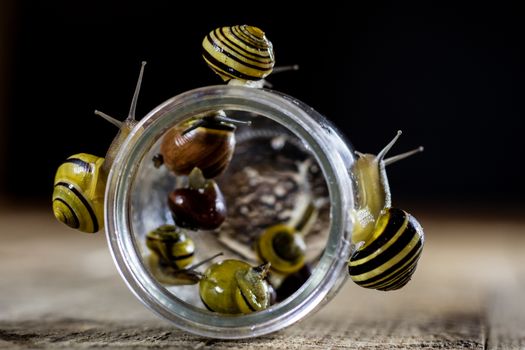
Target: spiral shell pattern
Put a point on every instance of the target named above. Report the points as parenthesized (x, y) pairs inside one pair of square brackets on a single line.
[(239, 52), (171, 245), (388, 260), (283, 248), (78, 195), (208, 148)]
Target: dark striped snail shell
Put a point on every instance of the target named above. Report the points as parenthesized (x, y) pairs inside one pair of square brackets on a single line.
[(388, 260), (389, 241), (78, 195), (171, 245), (239, 53), (235, 287)]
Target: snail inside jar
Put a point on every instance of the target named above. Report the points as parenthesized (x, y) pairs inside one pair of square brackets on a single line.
[(269, 207)]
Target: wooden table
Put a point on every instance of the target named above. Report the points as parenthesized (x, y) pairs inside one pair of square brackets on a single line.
[(61, 290)]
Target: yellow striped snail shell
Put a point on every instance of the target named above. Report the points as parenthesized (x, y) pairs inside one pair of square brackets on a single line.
[(239, 53), (78, 195), (389, 241), (171, 245)]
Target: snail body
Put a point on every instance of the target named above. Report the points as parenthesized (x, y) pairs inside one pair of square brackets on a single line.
[(80, 182), (235, 287), (169, 273), (389, 241)]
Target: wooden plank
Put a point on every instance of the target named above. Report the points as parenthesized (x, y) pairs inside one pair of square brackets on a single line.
[(61, 290), (505, 309)]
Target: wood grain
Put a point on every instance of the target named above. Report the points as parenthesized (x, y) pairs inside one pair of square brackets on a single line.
[(60, 289)]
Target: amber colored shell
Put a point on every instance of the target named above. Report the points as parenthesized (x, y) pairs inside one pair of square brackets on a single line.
[(205, 148)]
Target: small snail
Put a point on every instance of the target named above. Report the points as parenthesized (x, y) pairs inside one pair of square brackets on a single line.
[(78, 195), (206, 143), (283, 245), (171, 245), (235, 287), (389, 240), (239, 54), (200, 206), (169, 275)]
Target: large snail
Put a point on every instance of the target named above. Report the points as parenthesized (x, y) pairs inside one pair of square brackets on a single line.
[(78, 195), (389, 241), (235, 287)]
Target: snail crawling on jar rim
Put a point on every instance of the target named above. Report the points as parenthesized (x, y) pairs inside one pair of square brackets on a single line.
[(389, 240), (80, 182)]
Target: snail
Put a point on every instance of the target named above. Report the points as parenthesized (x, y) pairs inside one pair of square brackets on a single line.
[(206, 143), (170, 275), (235, 287), (78, 195), (389, 240), (171, 245), (239, 54), (200, 206), (283, 245)]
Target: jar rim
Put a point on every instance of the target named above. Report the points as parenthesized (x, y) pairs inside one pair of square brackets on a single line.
[(334, 157)]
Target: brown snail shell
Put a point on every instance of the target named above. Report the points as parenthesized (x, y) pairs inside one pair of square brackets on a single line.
[(201, 206), (207, 143)]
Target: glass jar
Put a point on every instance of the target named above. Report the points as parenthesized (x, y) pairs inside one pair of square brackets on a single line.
[(134, 204)]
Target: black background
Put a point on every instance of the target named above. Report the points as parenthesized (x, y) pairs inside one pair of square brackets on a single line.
[(450, 76)]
